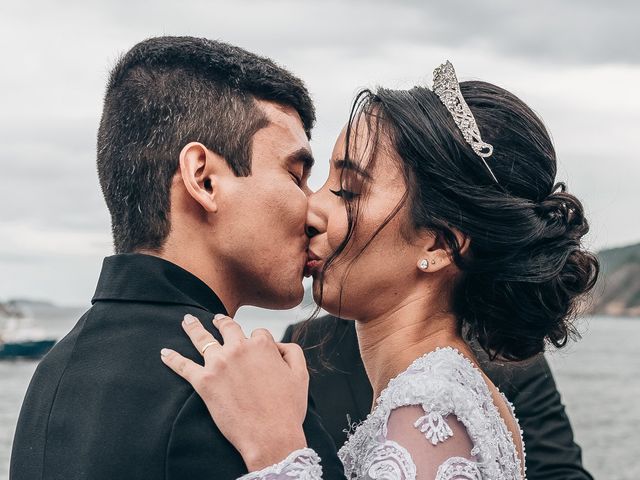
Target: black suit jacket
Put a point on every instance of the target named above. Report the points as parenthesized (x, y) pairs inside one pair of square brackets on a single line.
[(102, 406), (343, 395)]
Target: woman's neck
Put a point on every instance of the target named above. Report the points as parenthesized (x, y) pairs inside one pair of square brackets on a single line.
[(390, 342)]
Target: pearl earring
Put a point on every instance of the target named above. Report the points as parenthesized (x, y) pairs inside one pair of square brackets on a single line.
[(424, 264)]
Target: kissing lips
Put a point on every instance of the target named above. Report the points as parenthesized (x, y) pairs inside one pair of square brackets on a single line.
[(313, 264)]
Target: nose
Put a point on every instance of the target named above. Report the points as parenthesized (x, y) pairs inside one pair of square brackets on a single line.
[(316, 222)]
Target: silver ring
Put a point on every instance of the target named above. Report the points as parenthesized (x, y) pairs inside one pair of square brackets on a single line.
[(204, 349)]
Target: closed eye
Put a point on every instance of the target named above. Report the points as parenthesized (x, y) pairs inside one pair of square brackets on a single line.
[(346, 195)]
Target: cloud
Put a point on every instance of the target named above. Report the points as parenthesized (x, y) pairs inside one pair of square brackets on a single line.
[(25, 239), (49, 174)]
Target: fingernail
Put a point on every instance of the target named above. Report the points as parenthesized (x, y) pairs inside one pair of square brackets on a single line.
[(164, 352), (189, 319), (218, 316)]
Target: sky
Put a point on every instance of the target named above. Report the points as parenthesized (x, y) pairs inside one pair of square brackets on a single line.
[(575, 62)]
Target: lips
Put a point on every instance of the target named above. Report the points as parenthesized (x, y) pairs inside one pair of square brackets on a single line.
[(314, 262)]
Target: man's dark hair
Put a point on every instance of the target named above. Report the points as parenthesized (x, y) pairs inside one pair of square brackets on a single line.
[(169, 91)]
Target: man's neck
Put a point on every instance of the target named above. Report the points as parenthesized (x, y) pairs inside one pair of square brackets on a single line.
[(211, 273), (391, 341)]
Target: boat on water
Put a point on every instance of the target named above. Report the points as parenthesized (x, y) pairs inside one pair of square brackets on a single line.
[(19, 338)]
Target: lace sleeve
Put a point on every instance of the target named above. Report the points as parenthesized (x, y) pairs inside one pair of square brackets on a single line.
[(426, 446), (302, 464)]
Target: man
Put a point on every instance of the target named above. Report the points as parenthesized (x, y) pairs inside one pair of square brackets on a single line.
[(203, 157), (343, 396)]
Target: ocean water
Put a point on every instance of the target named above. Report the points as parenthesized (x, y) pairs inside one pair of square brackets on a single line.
[(598, 377)]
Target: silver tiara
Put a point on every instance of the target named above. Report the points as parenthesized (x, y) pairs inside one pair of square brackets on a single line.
[(447, 88)]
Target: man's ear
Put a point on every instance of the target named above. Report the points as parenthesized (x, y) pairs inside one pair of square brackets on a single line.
[(436, 254), (198, 169)]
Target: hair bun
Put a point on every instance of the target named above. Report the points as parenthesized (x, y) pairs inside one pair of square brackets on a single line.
[(515, 317), (562, 215)]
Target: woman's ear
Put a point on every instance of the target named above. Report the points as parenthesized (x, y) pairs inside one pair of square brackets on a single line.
[(436, 253), (198, 169)]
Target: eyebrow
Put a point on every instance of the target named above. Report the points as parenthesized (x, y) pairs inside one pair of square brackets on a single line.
[(345, 164), (303, 156)]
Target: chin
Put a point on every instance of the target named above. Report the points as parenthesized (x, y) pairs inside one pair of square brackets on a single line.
[(283, 300), (331, 301), (293, 301)]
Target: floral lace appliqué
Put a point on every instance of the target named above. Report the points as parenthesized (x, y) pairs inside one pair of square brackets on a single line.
[(301, 464), (434, 427), (458, 468), (388, 461)]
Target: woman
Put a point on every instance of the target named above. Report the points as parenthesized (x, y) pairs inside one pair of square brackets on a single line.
[(439, 222)]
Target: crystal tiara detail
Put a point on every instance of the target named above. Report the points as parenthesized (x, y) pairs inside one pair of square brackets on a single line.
[(447, 88)]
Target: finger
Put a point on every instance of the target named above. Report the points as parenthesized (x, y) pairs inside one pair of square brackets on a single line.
[(198, 335), (229, 329), (262, 332), (210, 347), (184, 367), (294, 356)]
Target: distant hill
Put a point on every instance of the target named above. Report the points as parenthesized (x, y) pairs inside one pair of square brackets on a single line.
[(618, 290), (4, 311)]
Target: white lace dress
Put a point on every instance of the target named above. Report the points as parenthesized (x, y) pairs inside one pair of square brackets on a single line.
[(434, 421)]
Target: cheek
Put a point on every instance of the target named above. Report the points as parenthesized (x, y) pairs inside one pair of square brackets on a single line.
[(297, 208), (337, 226), (388, 243), (270, 213), (285, 206), (366, 223)]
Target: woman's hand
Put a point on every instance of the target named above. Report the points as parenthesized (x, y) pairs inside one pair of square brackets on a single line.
[(255, 389)]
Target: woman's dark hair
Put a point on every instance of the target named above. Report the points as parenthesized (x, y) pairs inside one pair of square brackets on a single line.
[(525, 271)]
